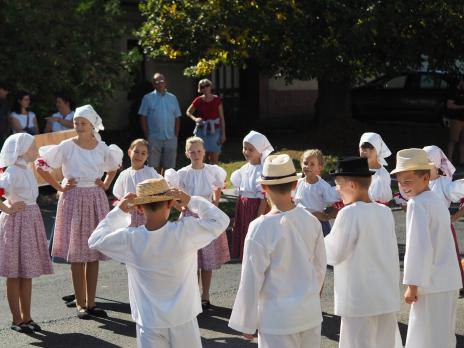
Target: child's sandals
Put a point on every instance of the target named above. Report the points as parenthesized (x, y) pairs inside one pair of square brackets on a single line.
[(21, 328), (33, 325)]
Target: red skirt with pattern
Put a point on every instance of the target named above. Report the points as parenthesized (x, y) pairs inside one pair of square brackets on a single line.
[(246, 210)]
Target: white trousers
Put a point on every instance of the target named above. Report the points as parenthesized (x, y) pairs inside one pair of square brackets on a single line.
[(432, 321), (310, 338), (379, 331), (182, 336)]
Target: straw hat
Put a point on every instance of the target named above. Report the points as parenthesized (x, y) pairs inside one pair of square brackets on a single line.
[(151, 190), (278, 169), (412, 159)]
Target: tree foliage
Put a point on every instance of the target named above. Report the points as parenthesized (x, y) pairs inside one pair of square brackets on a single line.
[(301, 39), (61, 45)]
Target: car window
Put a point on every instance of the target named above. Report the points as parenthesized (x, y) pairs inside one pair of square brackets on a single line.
[(395, 83), (432, 82)]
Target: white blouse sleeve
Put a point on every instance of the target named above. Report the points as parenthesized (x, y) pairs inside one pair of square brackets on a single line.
[(51, 156), (153, 173), (118, 188), (220, 176), (113, 158), (6, 181), (172, 178), (236, 179), (330, 194), (454, 191), (381, 191)]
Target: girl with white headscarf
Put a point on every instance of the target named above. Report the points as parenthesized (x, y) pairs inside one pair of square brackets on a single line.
[(372, 147), (84, 161), (23, 242), (251, 202), (442, 184)]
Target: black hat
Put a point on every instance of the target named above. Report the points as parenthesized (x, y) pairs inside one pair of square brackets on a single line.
[(352, 166)]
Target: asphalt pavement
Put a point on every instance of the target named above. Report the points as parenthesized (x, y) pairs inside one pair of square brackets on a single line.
[(61, 327)]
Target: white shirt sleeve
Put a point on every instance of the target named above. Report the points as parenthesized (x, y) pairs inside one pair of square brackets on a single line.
[(236, 179), (113, 158), (330, 194), (111, 236), (172, 178), (320, 259), (52, 155), (219, 177), (381, 190), (454, 191), (199, 232), (244, 317), (418, 258), (118, 188), (341, 240)]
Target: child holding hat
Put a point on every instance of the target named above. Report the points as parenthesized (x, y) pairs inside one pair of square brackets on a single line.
[(251, 202), (161, 260), (372, 147), (283, 268), (431, 273), (363, 249)]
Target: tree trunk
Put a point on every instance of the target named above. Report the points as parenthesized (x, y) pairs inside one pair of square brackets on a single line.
[(333, 98)]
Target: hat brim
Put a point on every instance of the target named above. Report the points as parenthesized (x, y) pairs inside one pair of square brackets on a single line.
[(278, 181), (149, 199), (364, 174), (428, 166)]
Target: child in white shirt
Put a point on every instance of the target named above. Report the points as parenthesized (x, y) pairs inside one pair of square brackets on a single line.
[(283, 268), (363, 249), (372, 147), (207, 181), (430, 270), (251, 202), (137, 172), (161, 260), (313, 192)]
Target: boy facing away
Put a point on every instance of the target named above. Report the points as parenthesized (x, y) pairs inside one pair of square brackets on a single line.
[(283, 268), (363, 249), (431, 273), (161, 260)]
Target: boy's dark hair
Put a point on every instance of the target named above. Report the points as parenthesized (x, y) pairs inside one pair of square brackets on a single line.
[(20, 95), (282, 188), (421, 172), (154, 206), (66, 98), (367, 145), (363, 181)]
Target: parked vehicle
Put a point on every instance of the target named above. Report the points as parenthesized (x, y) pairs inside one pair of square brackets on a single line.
[(410, 97)]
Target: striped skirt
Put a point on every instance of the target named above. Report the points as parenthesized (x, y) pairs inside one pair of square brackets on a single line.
[(246, 210), (78, 213), (23, 244)]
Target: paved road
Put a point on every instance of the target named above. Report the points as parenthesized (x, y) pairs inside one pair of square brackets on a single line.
[(61, 328)]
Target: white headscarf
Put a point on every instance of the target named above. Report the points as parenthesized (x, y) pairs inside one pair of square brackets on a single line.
[(380, 147), (88, 112), (15, 145), (260, 142), (439, 159)]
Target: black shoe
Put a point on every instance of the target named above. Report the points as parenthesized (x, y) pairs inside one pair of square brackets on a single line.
[(205, 304), (71, 304), (96, 312), (69, 298), (21, 328), (461, 293), (33, 325), (82, 314)]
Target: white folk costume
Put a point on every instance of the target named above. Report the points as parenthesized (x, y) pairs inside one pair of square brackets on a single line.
[(202, 182), (127, 182), (23, 242), (162, 270), (249, 191), (316, 197), (380, 189), (363, 249), (81, 208), (430, 264)]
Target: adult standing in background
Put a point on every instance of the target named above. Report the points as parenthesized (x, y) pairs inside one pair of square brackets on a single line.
[(159, 118), (63, 119), (209, 120), (455, 113), (4, 112), (22, 120)]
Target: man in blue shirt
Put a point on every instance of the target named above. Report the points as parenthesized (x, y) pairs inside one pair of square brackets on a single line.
[(160, 121)]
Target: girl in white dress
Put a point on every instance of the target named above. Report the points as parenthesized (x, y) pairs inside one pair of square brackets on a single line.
[(207, 181), (83, 202), (372, 147), (137, 172)]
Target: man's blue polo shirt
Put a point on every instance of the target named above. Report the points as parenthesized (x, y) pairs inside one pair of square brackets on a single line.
[(161, 110)]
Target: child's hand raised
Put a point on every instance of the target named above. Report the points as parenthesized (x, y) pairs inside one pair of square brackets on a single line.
[(124, 203), (181, 197)]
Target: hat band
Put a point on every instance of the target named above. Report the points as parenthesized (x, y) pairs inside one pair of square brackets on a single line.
[(154, 194), (277, 177)]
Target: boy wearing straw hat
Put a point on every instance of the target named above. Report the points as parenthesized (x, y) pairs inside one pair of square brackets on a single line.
[(283, 268), (431, 273), (161, 260), (363, 249)]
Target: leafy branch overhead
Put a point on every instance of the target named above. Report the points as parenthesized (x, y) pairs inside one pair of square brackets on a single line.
[(305, 39)]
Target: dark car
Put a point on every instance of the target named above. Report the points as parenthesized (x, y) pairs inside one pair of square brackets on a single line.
[(410, 97)]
